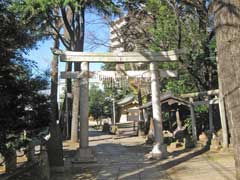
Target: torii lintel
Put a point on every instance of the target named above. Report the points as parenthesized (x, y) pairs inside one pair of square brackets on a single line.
[(121, 57)]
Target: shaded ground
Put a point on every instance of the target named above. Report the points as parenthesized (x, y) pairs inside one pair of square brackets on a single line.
[(124, 158)]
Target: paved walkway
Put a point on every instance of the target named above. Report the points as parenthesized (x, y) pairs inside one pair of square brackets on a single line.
[(124, 158)]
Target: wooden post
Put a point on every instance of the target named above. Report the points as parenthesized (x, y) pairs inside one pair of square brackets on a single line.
[(141, 130), (210, 113), (114, 111), (179, 123), (67, 116), (193, 119), (170, 120), (159, 150)]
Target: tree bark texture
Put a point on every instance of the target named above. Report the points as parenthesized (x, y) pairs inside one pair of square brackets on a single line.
[(55, 148), (227, 27), (68, 101), (77, 46), (55, 151), (68, 68)]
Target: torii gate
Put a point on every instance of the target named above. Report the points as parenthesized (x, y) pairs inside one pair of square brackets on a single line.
[(159, 149)]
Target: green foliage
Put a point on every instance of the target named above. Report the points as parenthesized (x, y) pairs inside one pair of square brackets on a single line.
[(164, 28), (48, 20), (180, 25), (18, 87), (101, 101), (201, 109), (22, 107), (99, 105), (95, 102)]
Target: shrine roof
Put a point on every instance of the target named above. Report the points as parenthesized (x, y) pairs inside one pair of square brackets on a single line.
[(126, 100), (167, 99)]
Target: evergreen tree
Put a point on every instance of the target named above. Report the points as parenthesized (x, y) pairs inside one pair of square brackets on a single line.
[(18, 87)]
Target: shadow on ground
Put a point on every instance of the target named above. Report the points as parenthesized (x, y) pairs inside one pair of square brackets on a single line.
[(123, 158)]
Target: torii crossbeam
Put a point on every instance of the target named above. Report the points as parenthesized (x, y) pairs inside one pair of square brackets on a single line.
[(95, 74), (121, 57)]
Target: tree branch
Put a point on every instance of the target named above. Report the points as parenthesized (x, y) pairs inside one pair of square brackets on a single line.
[(66, 23), (66, 44)]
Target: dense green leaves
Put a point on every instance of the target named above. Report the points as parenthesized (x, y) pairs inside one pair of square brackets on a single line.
[(99, 105), (189, 26), (21, 106), (69, 15)]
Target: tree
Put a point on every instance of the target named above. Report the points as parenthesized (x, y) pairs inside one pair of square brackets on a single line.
[(55, 150), (73, 22), (170, 24), (18, 87), (76, 30), (100, 101), (195, 32), (227, 25), (55, 142), (96, 102)]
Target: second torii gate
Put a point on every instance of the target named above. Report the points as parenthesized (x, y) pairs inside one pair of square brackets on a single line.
[(159, 149)]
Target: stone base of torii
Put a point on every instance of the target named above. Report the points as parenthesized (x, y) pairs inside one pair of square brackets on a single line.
[(85, 153)]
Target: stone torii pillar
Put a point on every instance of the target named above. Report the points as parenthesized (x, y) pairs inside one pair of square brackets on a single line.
[(84, 153), (193, 120), (84, 107), (159, 149)]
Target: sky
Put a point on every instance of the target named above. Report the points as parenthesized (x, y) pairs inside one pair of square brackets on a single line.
[(97, 31)]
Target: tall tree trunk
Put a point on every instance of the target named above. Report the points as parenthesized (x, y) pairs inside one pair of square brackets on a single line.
[(68, 68), (78, 46), (68, 101), (55, 149), (227, 27)]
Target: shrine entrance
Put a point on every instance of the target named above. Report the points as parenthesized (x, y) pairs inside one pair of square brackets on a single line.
[(85, 153)]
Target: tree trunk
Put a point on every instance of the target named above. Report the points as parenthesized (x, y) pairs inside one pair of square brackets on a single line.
[(68, 68), (78, 46), (54, 145), (227, 27), (68, 98), (55, 148)]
